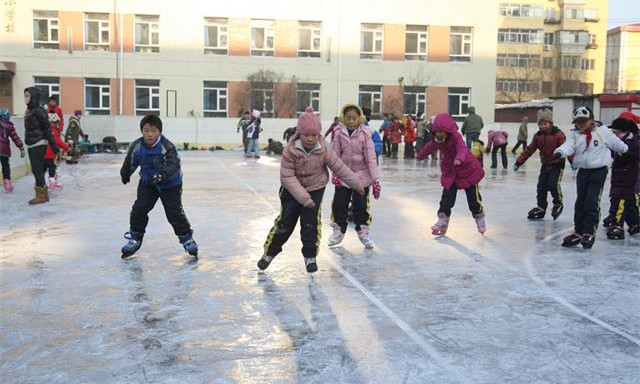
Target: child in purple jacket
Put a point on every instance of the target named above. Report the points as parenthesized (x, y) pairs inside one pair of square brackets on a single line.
[(7, 131), (460, 170)]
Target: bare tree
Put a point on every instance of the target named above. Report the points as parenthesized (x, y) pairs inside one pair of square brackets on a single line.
[(413, 86), (267, 91), (524, 84)]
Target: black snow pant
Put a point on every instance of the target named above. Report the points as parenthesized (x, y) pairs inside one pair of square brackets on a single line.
[(474, 200), (408, 151), (625, 210), (503, 154), (340, 206), (549, 182), (171, 201), (36, 158), (6, 169), (590, 183), (49, 165), (285, 223), (518, 144)]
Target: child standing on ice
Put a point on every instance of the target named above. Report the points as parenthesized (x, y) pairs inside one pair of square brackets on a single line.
[(160, 178), (498, 140), (50, 156), (460, 170), (304, 176), (7, 131), (592, 146), (546, 140), (353, 145)]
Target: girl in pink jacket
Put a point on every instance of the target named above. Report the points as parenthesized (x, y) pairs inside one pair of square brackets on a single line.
[(304, 176), (498, 140), (353, 144), (460, 170)]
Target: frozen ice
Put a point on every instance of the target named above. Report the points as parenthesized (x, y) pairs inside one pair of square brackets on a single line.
[(509, 307)]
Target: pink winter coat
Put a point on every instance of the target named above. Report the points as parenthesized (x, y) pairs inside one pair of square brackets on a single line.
[(497, 138), (453, 148), (358, 153), (7, 131), (301, 173)]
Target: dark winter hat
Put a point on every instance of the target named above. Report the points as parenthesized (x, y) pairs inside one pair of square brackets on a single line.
[(77, 112), (5, 114), (151, 120), (624, 125)]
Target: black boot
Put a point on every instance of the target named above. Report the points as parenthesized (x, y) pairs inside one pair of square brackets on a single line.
[(587, 241), (572, 240)]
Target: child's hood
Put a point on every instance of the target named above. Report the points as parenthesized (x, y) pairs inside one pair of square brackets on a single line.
[(444, 122)]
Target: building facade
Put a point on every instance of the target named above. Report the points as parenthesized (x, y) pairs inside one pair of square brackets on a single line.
[(623, 59), (216, 59), (550, 48)]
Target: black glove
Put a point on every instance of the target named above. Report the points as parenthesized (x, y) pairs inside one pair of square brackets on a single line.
[(124, 177), (86, 137), (157, 178), (557, 155), (515, 167)]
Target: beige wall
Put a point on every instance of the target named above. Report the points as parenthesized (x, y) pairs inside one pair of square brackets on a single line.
[(71, 26), (394, 41), (240, 37), (286, 38), (72, 88), (439, 43), (437, 100), (392, 99)]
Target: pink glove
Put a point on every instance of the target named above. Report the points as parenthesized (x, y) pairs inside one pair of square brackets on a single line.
[(375, 186), (335, 180)]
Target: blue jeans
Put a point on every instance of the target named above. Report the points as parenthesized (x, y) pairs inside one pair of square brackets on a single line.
[(252, 146), (471, 137)]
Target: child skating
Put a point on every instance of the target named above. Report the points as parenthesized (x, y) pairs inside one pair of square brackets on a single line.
[(8, 132), (160, 178), (353, 145), (304, 176), (460, 170), (50, 165), (591, 145), (624, 194), (546, 140)]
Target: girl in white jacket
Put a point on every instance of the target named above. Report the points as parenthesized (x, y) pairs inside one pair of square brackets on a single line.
[(591, 147)]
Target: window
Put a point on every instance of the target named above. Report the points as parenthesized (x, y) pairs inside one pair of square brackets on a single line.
[(97, 96), (262, 38), (572, 37), (307, 95), (520, 36), (577, 62), (459, 101), (518, 60), (548, 38), (309, 38), (370, 96), (147, 34), (96, 32), (591, 15), (415, 46), (216, 36), (215, 99), (520, 10), (550, 15), (460, 44), (147, 97), (546, 87), (414, 100), (587, 64), (573, 13), (515, 85), (371, 37), (547, 62), (49, 86), (262, 100), (593, 42), (45, 30)]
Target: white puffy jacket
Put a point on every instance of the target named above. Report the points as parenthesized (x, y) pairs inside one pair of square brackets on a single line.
[(597, 154)]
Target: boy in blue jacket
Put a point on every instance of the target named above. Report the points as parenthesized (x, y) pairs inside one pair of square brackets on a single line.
[(160, 178)]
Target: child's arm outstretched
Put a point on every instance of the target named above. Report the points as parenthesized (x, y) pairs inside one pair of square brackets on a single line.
[(339, 168), (526, 154), (426, 150), (567, 148), (130, 162), (614, 143)]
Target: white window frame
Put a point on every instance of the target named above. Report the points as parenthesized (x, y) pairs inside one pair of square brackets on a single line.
[(53, 88), (520, 36), (315, 28), (464, 99), (222, 93), (376, 32), (267, 94), (420, 101), (104, 90), (422, 32), (53, 23), (221, 47), (516, 85), (466, 40), (269, 35), (313, 90), (516, 60), (103, 24), (520, 10), (154, 94), (376, 98), (154, 28)]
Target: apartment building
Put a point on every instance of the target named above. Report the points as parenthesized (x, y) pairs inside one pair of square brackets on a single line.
[(216, 59), (550, 48), (623, 59)]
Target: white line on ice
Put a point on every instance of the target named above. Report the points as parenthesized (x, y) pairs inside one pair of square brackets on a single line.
[(532, 273), (406, 328)]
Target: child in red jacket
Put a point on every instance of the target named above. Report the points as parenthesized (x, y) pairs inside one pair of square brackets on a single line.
[(395, 134), (409, 134), (50, 156)]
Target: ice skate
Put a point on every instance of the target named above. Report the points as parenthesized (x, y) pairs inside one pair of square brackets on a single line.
[(615, 232), (572, 240), (440, 227), (365, 237), (608, 221), (135, 242), (52, 183), (587, 241), (634, 229), (556, 211), (536, 213), (189, 245), (337, 235), (8, 187), (480, 223), (310, 263), (264, 262)]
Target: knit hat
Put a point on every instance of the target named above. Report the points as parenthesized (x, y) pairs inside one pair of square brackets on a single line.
[(545, 115), (77, 112), (309, 123), (582, 113), (624, 125)]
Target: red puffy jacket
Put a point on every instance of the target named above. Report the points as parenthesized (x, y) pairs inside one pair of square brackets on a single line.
[(49, 155), (546, 143)]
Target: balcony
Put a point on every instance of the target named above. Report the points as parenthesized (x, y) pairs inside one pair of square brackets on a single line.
[(552, 20)]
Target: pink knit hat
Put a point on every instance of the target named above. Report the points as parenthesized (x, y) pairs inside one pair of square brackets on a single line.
[(309, 123)]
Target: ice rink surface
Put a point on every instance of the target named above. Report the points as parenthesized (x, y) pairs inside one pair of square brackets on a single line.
[(509, 307)]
